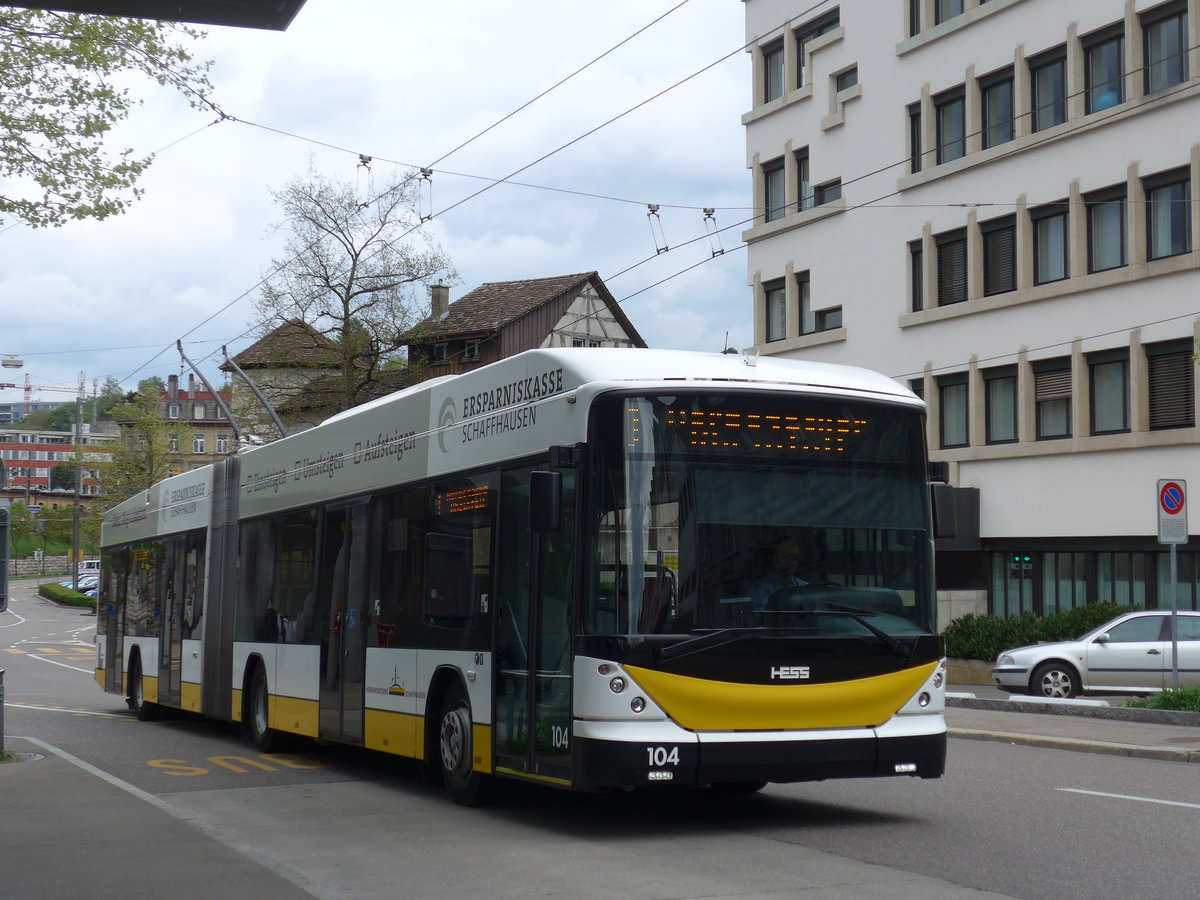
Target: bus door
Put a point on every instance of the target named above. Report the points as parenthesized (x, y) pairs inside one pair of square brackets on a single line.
[(112, 596), (170, 641), (533, 650), (343, 575)]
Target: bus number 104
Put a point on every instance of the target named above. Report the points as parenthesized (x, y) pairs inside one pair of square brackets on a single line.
[(661, 756)]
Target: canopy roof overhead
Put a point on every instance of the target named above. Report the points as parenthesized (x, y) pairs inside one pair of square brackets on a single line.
[(272, 14)]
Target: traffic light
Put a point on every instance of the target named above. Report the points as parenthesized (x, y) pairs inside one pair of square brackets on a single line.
[(3, 559)]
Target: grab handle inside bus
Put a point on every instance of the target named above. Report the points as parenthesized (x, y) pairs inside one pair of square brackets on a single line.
[(545, 501)]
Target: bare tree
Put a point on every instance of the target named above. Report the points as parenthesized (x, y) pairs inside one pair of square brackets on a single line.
[(355, 269)]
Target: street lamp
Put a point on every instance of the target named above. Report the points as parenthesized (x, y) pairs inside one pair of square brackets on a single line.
[(12, 362)]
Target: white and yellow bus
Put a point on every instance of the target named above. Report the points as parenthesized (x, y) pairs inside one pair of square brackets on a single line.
[(563, 567)]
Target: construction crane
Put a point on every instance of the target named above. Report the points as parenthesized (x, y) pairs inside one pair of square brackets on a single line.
[(28, 389)]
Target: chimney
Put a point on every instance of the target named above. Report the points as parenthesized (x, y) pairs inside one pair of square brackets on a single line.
[(192, 385), (439, 295), (172, 387)]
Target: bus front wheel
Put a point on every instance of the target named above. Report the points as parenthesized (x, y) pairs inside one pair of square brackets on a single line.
[(145, 711), (456, 750)]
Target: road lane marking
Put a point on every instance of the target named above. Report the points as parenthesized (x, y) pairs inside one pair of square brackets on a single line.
[(64, 665), (63, 709), (1130, 797)]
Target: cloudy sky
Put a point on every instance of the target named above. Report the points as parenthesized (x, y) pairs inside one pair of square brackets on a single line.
[(405, 83)]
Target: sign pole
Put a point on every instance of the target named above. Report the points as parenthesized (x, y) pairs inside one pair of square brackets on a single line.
[(1173, 530)]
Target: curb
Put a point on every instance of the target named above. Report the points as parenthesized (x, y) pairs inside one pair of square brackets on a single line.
[(1082, 709), (1055, 743)]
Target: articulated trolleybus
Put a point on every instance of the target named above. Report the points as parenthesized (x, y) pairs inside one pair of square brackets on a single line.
[(591, 568)]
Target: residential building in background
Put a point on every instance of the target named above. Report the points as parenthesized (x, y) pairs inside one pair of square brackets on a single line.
[(12, 413), (502, 318), (30, 458), (207, 435), (992, 201)]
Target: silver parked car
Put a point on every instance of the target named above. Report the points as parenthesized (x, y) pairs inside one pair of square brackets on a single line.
[(1129, 655)]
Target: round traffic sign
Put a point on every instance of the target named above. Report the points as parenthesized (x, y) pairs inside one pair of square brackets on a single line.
[(1171, 498)]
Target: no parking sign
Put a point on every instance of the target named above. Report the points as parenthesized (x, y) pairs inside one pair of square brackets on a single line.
[(1172, 511)]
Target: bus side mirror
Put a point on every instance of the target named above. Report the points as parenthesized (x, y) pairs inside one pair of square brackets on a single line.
[(945, 518), (545, 501)]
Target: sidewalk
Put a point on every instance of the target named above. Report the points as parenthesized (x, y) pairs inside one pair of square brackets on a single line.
[(1079, 725)]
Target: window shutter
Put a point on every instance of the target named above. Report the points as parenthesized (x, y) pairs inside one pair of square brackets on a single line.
[(1000, 260), (1054, 385), (952, 272), (1172, 391)]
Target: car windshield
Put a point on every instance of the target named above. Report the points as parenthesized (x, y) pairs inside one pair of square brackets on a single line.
[(759, 511)]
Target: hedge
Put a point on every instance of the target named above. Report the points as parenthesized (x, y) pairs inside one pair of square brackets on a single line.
[(66, 596), (985, 637)]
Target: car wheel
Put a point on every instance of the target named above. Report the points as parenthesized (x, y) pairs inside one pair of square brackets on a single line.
[(1054, 679)]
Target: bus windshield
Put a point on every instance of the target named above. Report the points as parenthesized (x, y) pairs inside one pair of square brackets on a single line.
[(758, 511)]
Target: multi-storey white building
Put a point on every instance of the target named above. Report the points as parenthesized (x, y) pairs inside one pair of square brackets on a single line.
[(991, 201)]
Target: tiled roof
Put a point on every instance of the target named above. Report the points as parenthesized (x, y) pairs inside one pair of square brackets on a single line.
[(494, 304), (294, 344)]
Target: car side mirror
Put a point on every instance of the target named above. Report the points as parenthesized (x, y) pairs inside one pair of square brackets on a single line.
[(1103, 638)]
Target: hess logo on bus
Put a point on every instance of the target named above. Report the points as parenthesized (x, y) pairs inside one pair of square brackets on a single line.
[(789, 673)]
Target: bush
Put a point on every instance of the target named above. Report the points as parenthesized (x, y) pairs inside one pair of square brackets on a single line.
[(985, 637), (1186, 699), (66, 596)]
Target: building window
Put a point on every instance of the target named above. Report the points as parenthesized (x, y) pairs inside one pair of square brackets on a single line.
[(776, 310), (198, 411), (1172, 385), (1000, 396), (471, 351), (441, 351), (914, 137), (952, 267), (1165, 34), (774, 198), (1168, 214), (914, 17), (197, 443), (828, 192), (805, 34), (172, 410), (805, 196), (1109, 373), (772, 56), (952, 398), (947, 9), (1049, 242), (996, 93), (1106, 229), (1048, 76), (847, 79), (999, 255), (1104, 64), (951, 126), (1052, 397), (812, 321), (172, 444), (222, 443), (916, 274)]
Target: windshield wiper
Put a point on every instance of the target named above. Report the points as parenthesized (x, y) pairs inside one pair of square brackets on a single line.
[(896, 645), (707, 642)]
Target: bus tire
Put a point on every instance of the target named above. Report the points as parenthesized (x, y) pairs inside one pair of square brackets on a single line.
[(258, 717), (455, 745), (145, 711)]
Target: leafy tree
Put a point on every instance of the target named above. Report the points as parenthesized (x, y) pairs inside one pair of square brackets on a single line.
[(62, 76), (63, 475), (149, 449), (355, 271), (111, 393), (20, 524)]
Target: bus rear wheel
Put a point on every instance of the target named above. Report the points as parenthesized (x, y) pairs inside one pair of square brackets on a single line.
[(456, 751), (145, 711), (258, 718)]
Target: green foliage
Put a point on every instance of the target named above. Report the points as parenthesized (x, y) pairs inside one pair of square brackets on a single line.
[(65, 595), (148, 452), (1186, 699), (985, 637), (63, 77)]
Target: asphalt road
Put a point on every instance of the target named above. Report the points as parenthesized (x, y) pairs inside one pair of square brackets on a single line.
[(1006, 820)]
